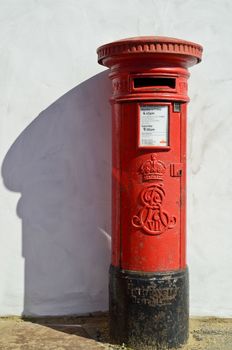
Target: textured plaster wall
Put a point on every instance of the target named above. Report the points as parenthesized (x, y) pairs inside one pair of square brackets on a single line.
[(55, 150)]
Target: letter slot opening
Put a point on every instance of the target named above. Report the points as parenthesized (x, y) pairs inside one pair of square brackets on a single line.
[(154, 82)]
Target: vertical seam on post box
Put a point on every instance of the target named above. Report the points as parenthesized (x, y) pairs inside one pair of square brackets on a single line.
[(120, 185), (181, 185)]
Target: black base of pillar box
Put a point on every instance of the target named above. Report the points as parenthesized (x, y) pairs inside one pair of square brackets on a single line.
[(149, 310)]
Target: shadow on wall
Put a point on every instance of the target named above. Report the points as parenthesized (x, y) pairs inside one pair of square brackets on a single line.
[(61, 165)]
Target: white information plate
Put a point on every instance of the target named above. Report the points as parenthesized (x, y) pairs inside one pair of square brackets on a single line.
[(153, 128)]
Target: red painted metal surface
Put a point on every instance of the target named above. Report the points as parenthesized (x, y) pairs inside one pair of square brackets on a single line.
[(149, 182)]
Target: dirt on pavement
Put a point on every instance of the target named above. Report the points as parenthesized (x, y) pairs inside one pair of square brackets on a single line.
[(91, 332)]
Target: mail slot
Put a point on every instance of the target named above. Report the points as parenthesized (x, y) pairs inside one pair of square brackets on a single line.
[(148, 274), (150, 82)]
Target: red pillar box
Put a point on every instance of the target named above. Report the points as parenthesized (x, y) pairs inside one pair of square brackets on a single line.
[(148, 274)]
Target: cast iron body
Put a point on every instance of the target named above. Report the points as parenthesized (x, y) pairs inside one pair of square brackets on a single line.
[(148, 275)]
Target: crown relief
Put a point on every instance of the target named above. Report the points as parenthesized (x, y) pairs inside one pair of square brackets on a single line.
[(152, 169)]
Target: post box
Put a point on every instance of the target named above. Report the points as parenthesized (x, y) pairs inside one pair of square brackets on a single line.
[(148, 275)]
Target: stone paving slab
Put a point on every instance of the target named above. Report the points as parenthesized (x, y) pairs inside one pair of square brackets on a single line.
[(78, 333)]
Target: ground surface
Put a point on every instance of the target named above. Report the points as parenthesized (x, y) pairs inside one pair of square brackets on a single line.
[(77, 333)]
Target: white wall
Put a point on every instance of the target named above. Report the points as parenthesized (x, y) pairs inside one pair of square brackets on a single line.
[(55, 150)]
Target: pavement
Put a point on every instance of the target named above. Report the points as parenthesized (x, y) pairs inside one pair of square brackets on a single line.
[(91, 332)]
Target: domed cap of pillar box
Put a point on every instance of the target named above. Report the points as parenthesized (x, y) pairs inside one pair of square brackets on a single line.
[(157, 50)]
